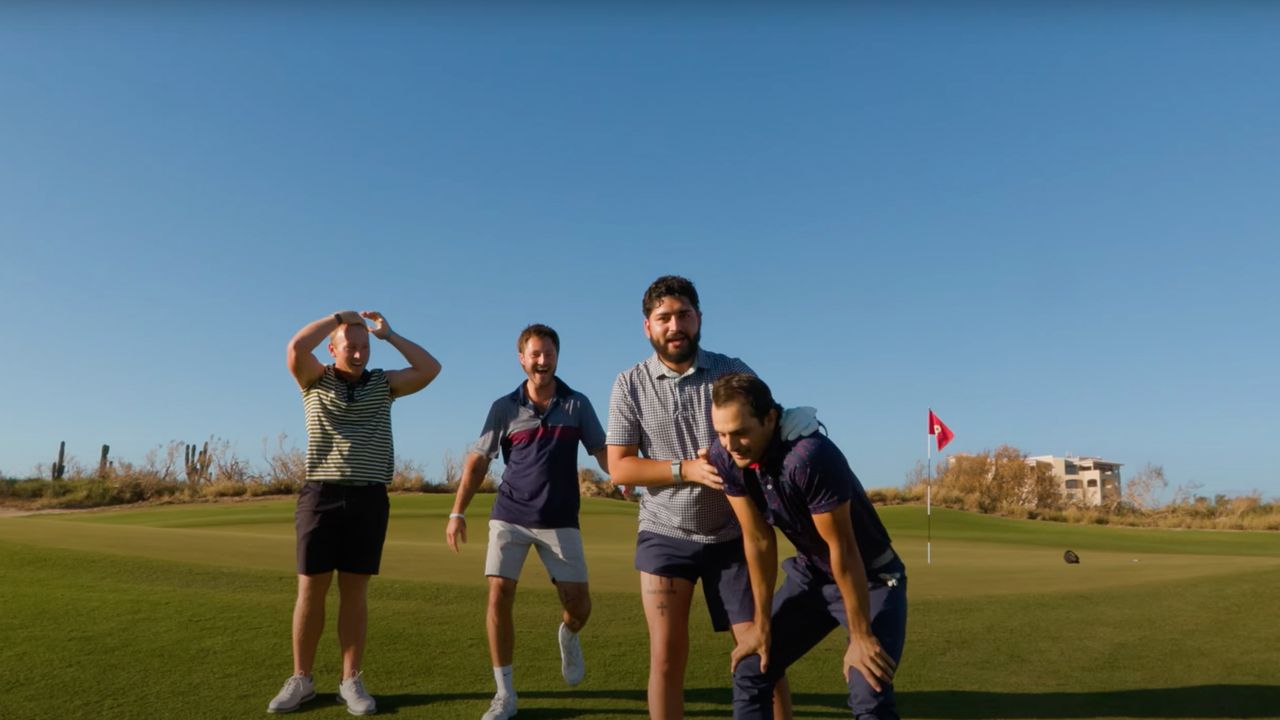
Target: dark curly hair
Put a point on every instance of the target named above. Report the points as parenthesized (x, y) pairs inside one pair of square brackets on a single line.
[(670, 286)]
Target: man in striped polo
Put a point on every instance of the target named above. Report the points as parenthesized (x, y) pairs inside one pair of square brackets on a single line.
[(537, 428), (659, 434), (342, 510)]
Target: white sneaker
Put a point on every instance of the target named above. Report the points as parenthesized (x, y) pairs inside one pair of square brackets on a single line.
[(352, 693), (502, 707), (297, 690), (572, 666)]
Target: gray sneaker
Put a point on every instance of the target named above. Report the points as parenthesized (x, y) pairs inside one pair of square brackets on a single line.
[(297, 690), (572, 666), (502, 707), (352, 694)]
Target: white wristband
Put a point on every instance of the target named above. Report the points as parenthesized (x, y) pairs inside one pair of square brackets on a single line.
[(459, 516)]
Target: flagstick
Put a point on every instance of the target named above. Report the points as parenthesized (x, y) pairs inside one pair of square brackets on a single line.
[(928, 503)]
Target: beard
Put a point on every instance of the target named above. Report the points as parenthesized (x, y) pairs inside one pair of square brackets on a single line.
[(690, 348)]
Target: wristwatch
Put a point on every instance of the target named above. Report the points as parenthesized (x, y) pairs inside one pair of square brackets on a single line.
[(676, 476)]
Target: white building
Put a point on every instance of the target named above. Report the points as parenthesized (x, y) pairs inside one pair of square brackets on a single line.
[(1090, 480)]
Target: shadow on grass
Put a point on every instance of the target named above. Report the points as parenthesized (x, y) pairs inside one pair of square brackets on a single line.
[(389, 703), (1199, 701)]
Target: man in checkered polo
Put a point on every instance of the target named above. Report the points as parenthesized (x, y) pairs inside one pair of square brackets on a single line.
[(659, 433)]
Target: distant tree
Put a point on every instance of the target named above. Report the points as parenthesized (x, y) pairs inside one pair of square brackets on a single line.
[(1143, 487), (593, 484), (1188, 493), (916, 479), (1044, 492), (967, 477), (450, 470), (408, 475), (998, 480)]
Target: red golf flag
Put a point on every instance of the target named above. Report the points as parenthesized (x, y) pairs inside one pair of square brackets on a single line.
[(937, 427)]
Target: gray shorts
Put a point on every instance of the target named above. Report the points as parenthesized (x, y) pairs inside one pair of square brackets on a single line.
[(559, 548)]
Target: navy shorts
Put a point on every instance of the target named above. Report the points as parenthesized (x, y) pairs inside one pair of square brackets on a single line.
[(341, 527), (721, 567)]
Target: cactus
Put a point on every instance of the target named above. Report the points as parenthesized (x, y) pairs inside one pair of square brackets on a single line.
[(197, 463), (103, 463), (58, 467)]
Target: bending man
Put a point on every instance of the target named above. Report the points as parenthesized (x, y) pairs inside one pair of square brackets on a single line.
[(845, 571)]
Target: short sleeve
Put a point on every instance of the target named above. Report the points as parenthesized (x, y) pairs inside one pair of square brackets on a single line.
[(827, 481), (593, 438), (624, 421), (729, 473), (495, 428)]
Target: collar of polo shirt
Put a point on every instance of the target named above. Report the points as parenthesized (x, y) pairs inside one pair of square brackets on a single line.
[(659, 369)]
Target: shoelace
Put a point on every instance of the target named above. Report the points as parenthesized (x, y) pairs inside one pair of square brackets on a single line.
[(294, 684), (357, 684)]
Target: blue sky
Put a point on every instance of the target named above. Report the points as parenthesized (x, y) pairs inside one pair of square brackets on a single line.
[(1054, 225)]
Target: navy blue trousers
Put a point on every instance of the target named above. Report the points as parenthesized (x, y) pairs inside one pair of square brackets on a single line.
[(806, 610)]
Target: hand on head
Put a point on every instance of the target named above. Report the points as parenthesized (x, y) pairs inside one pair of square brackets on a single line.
[(381, 328)]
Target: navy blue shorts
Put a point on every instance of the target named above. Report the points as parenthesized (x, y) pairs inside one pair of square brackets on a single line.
[(341, 527), (721, 567)]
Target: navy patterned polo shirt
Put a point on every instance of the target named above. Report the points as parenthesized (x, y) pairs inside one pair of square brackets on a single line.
[(797, 480)]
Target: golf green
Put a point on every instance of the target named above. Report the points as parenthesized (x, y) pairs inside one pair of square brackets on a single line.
[(183, 611)]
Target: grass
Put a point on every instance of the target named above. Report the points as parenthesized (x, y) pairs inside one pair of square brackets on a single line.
[(183, 611)]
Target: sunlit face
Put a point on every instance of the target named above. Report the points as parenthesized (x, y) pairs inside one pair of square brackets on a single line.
[(674, 328), (538, 359), (744, 435), (349, 347)]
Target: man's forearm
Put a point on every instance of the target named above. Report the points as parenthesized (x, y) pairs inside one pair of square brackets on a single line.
[(473, 473), (635, 470), (314, 332), (760, 547), (417, 356), (762, 564)]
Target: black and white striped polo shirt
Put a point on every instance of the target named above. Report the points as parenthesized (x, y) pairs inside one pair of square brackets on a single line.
[(349, 428)]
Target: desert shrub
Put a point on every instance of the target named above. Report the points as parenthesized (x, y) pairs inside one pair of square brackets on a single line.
[(23, 491), (225, 488), (593, 484)]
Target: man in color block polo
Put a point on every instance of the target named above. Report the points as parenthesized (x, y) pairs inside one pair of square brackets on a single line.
[(537, 428), (342, 509), (845, 571)]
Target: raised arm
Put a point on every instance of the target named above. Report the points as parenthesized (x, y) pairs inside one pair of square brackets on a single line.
[(423, 367), (299, 357), (473, 472), (760, 543), (864, 653)]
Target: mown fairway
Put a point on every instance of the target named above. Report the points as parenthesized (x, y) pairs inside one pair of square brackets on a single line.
[(183, 612)]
